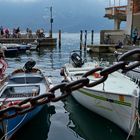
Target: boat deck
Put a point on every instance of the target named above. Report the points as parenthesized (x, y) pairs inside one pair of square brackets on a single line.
[(26, 78), (116, 83)]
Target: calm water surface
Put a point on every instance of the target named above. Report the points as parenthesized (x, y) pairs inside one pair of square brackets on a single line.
[(69, 121)]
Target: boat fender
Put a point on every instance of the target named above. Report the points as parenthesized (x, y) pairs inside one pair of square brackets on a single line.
[(77, 60), (96, 75), (11, 103)]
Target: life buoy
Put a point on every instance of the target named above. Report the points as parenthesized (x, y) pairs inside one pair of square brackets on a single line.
[(8, 104), (11, 103), (96, 74)]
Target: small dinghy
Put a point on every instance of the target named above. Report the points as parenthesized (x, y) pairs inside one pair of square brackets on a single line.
[(20, 85), (116, 99)]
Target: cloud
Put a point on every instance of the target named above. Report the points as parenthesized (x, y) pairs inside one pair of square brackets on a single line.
[(19, 1)]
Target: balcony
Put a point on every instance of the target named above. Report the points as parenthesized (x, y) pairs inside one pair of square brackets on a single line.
[(116, 12)]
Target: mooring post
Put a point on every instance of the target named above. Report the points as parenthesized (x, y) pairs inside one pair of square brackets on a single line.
[(51, 21), (85, 46), (59, 38), (81, 42), (92, 37)]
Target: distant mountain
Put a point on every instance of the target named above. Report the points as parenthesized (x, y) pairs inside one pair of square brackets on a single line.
[(69, 16)]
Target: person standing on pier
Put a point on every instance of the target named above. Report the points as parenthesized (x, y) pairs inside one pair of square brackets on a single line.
[(134, 36), (18, 32), (1, 31)]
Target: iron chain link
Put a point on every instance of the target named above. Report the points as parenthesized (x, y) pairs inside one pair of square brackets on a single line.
[(66, 88)]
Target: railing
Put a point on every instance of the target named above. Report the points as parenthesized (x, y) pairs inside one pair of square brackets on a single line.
[(116, 10), (136, 7)]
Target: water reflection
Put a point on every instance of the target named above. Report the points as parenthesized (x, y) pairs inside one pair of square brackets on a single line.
[(91, 126), (37, 128), (110, 57)]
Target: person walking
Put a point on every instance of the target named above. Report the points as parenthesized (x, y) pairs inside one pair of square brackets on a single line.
[(1, 31)]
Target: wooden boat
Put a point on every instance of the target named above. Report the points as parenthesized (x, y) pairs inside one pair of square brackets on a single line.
[(21, 84), (15, 49), (116, 99), (88, 125)]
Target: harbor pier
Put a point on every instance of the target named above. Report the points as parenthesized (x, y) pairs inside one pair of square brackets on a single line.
[(45, 41)]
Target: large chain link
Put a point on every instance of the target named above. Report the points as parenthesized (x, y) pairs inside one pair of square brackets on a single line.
[(66, 88)]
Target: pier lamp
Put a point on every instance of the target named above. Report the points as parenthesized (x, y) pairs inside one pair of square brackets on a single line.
[(51, 20)]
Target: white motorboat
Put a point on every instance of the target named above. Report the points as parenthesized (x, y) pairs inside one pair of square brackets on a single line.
[(116, 99), (13, 49)]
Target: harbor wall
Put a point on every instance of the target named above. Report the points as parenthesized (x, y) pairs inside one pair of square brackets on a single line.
[(111, 36)]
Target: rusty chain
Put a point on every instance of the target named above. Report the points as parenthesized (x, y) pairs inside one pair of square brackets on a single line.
[(66, 88)]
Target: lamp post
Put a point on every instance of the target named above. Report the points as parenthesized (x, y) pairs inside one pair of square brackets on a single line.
[(50, 20)]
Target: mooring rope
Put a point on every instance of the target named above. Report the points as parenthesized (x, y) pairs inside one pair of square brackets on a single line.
[(137, 118), (14, 127)]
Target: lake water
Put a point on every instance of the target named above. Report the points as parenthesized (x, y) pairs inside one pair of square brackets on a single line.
[(70, 120)]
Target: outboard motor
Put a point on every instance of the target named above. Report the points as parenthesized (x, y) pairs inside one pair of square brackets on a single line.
[(77, 60), (29, 65)]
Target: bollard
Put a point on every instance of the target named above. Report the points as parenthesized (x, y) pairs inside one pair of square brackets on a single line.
[(81, 42), (59, 38), (85, 46), (92, 37)]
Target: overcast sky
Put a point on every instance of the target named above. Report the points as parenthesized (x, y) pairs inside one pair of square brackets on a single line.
[(69, 15)]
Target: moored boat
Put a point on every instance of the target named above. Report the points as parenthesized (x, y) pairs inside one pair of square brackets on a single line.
[(116, 99), (18, 86), (12, 49), (134, 74)]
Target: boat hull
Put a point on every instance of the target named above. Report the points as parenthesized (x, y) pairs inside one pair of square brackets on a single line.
[(14, 124), (17, 87), (116, 108), (115, 99)]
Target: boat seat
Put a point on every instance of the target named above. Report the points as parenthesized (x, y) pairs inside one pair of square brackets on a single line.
[(19, 95), (22, 80), (20, 91)]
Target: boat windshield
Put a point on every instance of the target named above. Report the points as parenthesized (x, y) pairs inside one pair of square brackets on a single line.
[(20, 91)]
